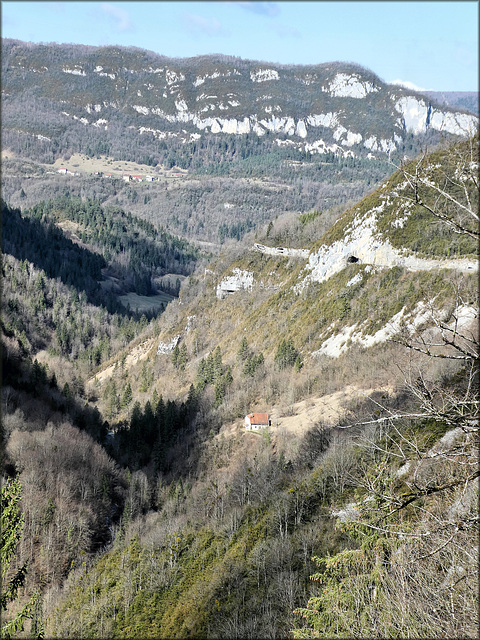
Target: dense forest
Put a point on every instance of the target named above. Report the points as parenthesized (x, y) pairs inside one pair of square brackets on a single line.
[(107, 240), (207, 206), (130, 245)]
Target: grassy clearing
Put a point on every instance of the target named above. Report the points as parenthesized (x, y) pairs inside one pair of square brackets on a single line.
[(84, 164), (145, 303)]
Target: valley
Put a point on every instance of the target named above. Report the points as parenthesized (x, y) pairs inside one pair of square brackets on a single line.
[(313, 259)]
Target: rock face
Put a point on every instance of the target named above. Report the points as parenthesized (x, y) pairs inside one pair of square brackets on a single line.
[(332, 107), (165, 348), (362, 245), (238, 281), (282, 251)]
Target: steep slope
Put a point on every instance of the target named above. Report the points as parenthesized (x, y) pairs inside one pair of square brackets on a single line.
[(104, 252), (210, 529), (387, 241), (395, 226), (92, 94), (340, 310)]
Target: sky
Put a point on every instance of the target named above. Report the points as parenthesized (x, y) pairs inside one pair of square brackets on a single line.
[(430, 46)]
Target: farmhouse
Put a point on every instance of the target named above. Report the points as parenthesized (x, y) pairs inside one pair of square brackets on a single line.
[(126, 177), (137, 178), (255, 421), (62, 170)]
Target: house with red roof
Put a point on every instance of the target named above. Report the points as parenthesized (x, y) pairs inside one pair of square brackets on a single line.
[(256, 421)]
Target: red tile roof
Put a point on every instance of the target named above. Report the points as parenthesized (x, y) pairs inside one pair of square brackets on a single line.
[(258, 418)]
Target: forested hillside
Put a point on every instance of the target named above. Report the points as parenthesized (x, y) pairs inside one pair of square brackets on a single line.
[(103, 253), (206, 111), (228, 144), (130, 357), (212, 208)]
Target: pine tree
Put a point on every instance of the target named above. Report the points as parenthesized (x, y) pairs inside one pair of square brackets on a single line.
[(146, 378), (127, 396), (182, 357), (243, 350), (286, 354), (217, 365), (220, 388), (12, 521), (200, 380), (175, 355), (155, 400), (209, 369), (298, 363)]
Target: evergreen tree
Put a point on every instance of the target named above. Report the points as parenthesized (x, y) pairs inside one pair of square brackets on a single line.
[(182, 357), (220, 388), (127, 396), (252, 363), (286, 354), (111, 398), (12, 521), (148, 424), (175, 355), (242, 353), (209, 369), (200, 379), (67, 393), (146, 378), (298, 363), (155, 400), (217, 365)]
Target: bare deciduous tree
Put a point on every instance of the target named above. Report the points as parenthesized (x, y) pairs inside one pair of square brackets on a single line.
[(413, 564)]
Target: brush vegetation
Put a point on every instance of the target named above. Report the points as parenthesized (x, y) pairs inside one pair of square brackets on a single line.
[(149, 511)]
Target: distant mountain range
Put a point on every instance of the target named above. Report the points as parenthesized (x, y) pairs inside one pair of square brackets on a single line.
[(456, 99), (127, 101)]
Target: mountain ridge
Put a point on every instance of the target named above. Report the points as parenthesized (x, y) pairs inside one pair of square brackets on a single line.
[(467, 100), (342, 107), (358, 253)]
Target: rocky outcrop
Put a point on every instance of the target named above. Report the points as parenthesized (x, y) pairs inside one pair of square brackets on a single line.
[(408, 321), (238, 281), (362, 245), (164, 348), (332, 107), (282, 251), (167, 347), (418, 116)]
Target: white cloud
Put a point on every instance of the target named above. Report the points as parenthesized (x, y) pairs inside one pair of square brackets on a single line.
[(408, 85), (121, 18), (269, 9), (198, 25)]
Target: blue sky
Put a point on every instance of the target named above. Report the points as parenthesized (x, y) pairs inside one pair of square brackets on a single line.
[(433, 45)]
